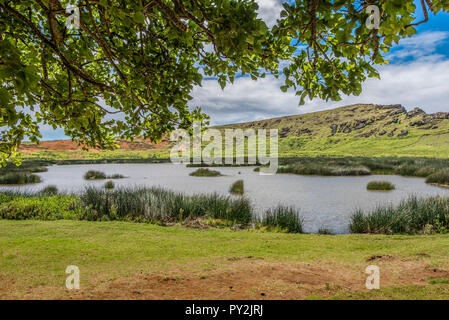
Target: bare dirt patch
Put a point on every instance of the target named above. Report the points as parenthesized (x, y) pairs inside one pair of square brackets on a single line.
[(246, 278)]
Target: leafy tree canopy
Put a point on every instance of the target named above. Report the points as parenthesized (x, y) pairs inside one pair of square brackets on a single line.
[(140, 59)]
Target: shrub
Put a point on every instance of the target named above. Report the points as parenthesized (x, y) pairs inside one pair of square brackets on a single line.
[(286, 218), (19, 178), (440, 177), (237, 188), (42, 208), (109, 185), (413, 215), (204, 172), (94, 175), (380, 186)]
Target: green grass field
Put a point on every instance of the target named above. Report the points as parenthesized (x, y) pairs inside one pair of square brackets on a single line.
[(136, 260)]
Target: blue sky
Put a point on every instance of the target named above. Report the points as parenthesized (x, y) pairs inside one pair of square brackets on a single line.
[(418, 76)]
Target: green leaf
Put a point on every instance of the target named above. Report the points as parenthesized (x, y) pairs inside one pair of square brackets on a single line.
[(139, 17)]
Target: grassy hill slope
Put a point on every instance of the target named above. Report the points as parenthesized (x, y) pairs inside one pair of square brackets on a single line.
[(360, 130)]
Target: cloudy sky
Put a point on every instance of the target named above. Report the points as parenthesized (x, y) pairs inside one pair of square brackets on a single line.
[(417, 76)]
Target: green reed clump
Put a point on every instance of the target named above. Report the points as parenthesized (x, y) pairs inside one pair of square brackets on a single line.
[(98, 175), (19, 178), (285, 218), (109, 185), (324, 170), (407, 170), (149, 204), (413, 215), (237, 188), (380, 186), (94, 175), (416, 167), (50, 190), (440, 177), (204, 172)]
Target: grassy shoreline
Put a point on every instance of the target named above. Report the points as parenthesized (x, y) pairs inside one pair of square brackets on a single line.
[(149, 205), (404, 166)]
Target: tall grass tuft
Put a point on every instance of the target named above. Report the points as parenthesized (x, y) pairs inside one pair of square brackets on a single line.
[(150, 204), (237, 188), (109, 185), (380, 186), (285, 218), (413, 215), (324, 231), (440, 177)]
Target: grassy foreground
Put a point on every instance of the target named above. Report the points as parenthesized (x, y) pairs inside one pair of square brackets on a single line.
[(130, 260)]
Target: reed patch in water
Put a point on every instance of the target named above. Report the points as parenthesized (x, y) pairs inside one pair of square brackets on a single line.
[(98, 175), (237, 188), (19, 178), (380, 186), (413, 215), (440, 178), (204, 172), (284, 218)]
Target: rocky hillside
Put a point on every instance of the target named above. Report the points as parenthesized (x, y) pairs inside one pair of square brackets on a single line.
[(358, 121)]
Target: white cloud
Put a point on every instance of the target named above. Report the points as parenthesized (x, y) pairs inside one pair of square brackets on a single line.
[(420, 46), (246, 100), (269, 10), (422, 83)]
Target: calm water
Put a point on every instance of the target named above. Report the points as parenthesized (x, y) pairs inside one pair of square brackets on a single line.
[(323, 201)]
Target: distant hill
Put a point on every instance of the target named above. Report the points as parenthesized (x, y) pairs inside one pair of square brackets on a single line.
[(362, 129), (356, 130)]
